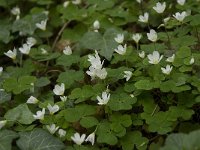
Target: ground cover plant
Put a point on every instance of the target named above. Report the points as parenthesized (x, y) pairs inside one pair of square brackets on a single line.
[(99, 74)]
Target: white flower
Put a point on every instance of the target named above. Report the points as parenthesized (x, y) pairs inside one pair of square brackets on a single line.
[(1, 70), (59, 90), (31, 41), (67, 50), (2, 123), (96, 25), (128, 75), (121, 50), (101, 73), (65, 4), (144, 18), (91, 138), (93, 72), (136, 37), (61, 132), (40, 114), (32, 100), (42, 25), (25, 49), (181, 2), (78, 139), (165, 20), (167, 70), (52, 128), (160, 8), (171, 59), (120, 38), (154, 58), (76, 2), (180, 16), (152, 36), (15, 11), (96, 67), (43, 51), (63, 98), (95, 61), (139, 1), (191, 60), (53, 109), (142, 54), (105, 98), (132, 95), (11, 54)]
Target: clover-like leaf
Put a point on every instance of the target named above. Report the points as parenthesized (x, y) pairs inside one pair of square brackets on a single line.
[(121, 101), (144, 84), (70, 77), (67, 60), (80, 111), (105, 134), (18, 85), (132, 139)]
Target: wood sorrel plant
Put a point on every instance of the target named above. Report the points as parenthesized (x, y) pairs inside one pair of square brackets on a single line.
[(94, 74)]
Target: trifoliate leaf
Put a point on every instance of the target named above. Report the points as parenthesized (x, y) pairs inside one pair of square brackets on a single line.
[(132, 139), (144, 85), (18, 85), (70, 77), (88, 122), (67, 60), (80, 111), (121, 101), (105, 134)]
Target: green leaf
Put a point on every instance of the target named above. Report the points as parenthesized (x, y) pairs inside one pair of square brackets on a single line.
[(20, 114), (101, 4), (183, 52), (133, 139), (41, 82), (105, 135), (82, 94), (38, 139), (180, 141), (5, 31), (68, 15), (121, 101), (119, 123), (80, 111), (88, 122), (144, 85), (67, 60), (4, 96), (105, 43), (194, 20), (18, 85), (6, 138), (188, 41), (70, 77), (27, 25)]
